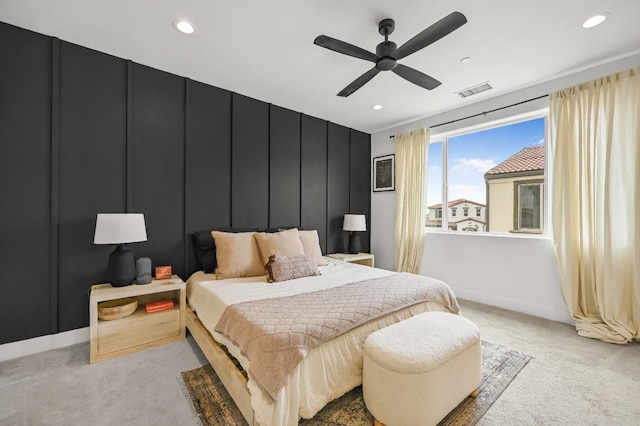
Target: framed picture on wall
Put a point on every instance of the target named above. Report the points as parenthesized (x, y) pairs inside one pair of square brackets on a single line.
[(384, 173)]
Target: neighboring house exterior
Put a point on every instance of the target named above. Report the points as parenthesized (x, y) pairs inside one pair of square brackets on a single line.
[(462, 215), (515, 193)]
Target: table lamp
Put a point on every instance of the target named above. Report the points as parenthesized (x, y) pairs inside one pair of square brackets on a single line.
[(120, 229), (354, 223)]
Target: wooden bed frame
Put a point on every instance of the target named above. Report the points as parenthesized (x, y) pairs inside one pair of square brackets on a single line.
[(234, 381)]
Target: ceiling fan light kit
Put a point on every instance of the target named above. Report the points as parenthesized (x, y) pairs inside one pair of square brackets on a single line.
[(387, 53)]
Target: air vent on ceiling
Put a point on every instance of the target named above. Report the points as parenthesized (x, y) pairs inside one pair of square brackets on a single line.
[(479, 88)]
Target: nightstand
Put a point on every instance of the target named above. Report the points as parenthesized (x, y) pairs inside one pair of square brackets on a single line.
[(140, 330), (366, 259)]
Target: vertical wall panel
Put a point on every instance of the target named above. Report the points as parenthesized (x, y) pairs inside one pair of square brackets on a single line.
[(158, 164), (208, 161), (25, 176), (92, 177), (250, 163), (360, 182), (284, 167), (337, 186), (313, 168)]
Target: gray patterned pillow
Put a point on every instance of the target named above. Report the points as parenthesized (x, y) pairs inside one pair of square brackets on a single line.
[(283, 268)]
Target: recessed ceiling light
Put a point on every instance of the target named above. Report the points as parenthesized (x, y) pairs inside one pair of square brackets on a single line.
[(376, 107), (595, 20), (465, 60), (184, 26)]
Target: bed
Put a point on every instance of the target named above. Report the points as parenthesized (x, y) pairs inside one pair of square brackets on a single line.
[(327, 369)]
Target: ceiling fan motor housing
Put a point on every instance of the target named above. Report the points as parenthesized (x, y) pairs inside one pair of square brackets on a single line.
[(386, 61)]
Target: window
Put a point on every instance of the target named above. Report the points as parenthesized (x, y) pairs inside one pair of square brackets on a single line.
[(529, 211), (498, 170), (439, 214)]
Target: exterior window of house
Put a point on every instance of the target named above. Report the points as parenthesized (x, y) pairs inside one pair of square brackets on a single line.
[(482, 168), (439, 213), (529, 210)]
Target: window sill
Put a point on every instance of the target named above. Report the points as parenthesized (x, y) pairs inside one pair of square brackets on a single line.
[(526, 231), (512, 234)]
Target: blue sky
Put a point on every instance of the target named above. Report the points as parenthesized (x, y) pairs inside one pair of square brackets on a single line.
[(472, 155)]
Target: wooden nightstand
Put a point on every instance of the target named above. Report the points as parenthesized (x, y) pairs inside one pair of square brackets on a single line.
[(139, 330), (366, 259)]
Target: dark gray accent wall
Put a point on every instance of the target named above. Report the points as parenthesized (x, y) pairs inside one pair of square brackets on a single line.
[(26, 310), (92, 169), (249, 163), (208, 161), (313, 180), (82, 132), (284, 167), (360, 181), (338, 186), (158, 169)]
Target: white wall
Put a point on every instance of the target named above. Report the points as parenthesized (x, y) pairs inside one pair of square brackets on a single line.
[(516, 273)]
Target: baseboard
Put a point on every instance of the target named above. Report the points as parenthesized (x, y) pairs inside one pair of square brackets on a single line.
[(44, 343), (516, 305)]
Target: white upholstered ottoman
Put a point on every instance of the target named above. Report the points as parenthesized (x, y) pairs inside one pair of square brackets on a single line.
[(418, 370)]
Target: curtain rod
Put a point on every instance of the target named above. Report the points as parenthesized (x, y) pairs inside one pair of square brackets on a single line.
[(483, 113)]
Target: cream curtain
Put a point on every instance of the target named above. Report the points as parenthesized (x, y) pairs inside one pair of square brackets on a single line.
[(595, 145), (411, 182)]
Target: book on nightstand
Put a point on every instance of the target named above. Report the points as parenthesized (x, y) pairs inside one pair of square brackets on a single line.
[(160, 305)]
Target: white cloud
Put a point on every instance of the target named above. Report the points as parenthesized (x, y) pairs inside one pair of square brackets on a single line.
[(468, 192), (478, 165), (540, 142)]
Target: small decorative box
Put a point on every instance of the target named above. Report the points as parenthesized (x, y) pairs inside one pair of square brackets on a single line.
[(163, 272)]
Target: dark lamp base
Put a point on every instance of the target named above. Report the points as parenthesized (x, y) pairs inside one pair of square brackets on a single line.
[(354, 243), (122, 267)]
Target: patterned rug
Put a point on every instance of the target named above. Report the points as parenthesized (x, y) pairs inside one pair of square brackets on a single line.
[(500, 366)]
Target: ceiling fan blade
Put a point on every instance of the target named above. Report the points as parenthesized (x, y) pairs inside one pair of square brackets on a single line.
[(416, 77), (359, 82), (344, 48), (435, 32)]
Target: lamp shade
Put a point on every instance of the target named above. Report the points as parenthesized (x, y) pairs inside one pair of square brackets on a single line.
[(120, 228), (354, 222)]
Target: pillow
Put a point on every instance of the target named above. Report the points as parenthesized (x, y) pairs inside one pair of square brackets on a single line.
[(282, 268), (205, 250), (279, 228), (284, 243), (311, 244), (237, 255), (205, 247)]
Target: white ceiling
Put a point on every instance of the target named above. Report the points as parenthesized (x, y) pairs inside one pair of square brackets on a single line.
[(265, 50)]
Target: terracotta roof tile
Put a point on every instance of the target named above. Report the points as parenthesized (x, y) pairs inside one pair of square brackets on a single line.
[(529, 159)]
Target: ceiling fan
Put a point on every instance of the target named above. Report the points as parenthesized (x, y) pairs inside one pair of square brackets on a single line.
[(387, 53)]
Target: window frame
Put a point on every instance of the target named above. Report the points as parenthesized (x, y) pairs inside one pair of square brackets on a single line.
[(537, 109), (516, 210)]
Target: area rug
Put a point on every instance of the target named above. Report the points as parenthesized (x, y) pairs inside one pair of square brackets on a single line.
[(500, 365)]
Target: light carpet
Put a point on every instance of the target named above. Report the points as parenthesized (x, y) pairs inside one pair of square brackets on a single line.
[(500, 365)]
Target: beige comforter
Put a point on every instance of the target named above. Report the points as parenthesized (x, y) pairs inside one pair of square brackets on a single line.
[(275, 334)]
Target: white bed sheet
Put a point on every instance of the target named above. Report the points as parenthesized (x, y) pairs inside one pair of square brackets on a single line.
[(328, 371)]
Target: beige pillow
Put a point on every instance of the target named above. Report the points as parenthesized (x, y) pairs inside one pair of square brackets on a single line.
[(311, 244), (283, 243), (283, 268), (237, 255)]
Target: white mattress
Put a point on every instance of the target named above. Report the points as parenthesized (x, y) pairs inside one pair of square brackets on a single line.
[(328, 371)]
